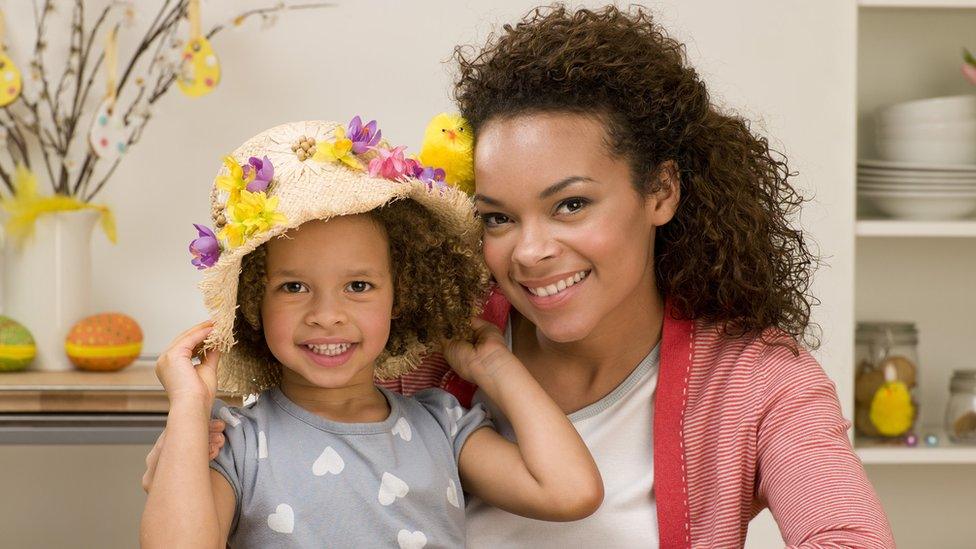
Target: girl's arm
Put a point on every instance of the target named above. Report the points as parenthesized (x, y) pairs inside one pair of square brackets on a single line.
[(549, 474), (188, 504)]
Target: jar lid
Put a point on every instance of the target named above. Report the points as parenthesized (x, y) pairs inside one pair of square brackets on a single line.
[(963, 381), (903, 332)]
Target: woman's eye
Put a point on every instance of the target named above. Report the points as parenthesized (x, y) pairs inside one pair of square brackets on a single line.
[(358, 286), (571, 205), (293, 287), (494, 219)]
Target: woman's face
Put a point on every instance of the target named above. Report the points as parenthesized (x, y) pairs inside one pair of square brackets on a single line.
[(567, 236)]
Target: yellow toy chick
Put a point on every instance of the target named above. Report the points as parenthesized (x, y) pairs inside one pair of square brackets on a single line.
[(892, 409), (449, 145)]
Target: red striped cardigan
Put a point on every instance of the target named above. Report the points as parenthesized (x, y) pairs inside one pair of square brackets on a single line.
[(739, 425)]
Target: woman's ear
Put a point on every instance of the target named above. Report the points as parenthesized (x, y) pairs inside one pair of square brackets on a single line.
[(662, 201)]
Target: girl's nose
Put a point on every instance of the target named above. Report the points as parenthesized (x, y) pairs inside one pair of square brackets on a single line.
[(326, 311)]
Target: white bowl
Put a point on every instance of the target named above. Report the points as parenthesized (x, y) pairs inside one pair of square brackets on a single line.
[(908, 206), (935, 109), (934, 151), (921, 182), (959, 130)]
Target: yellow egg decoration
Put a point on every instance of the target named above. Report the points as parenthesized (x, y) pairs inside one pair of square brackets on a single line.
[(10, 80), (199, 68), (104, 342), (17, 348)]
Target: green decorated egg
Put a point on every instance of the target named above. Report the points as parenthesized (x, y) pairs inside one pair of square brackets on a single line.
[(16, 345)]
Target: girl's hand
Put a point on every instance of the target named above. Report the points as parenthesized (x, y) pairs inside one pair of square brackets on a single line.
[(217, 441), (479, 360), (180, 377)]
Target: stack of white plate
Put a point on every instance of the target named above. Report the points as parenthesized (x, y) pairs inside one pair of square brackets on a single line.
[(918, 191)]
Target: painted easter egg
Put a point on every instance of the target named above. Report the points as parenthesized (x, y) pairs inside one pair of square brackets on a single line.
[(108, 136), (10, 80), (104, 342), (199, 68), (17, 348)]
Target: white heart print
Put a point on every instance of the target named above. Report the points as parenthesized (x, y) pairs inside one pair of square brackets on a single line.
[(282, 520), (452, 495), (328, 462), (391, 488), (454, 413), (262, 445), (411, 540), (228, 417), (402, 429)]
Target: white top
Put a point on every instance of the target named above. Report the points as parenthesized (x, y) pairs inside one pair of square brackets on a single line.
[(618, 431)]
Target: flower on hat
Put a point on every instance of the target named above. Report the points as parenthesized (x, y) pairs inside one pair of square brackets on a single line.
[(390, 164), (254, 214), (263, 173), (338, 150), (236, 181), (363, 137), (205, 248)]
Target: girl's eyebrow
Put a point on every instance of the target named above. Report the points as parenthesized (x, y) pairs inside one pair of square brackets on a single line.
[(285, 273), (546, 193)]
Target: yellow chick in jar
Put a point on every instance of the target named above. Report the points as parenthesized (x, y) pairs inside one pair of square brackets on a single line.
[(449, 145)]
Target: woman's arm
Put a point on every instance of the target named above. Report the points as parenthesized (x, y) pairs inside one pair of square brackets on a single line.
[(188, 505), (808, 474), (549, 474)]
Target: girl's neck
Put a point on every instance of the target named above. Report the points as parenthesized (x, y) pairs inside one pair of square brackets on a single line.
[(356, 403)]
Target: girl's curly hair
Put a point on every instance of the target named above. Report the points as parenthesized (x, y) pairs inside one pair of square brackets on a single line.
[(440, 282), (730, 255)]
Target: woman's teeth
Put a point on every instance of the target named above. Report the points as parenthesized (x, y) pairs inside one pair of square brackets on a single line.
[(329, 350), (554, 289)]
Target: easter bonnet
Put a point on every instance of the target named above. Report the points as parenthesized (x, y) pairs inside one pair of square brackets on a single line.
[(299, 172)]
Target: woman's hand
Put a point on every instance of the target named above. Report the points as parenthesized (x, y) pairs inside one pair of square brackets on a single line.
[(183, 380), (152, 458), (480, 359)]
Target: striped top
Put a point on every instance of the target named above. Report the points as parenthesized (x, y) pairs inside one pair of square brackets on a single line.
[(739, 426)]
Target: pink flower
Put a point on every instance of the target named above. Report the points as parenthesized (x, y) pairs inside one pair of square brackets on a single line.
[(390, 164)]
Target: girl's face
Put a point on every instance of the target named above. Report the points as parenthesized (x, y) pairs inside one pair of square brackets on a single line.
[(328, 300), (567, 236)]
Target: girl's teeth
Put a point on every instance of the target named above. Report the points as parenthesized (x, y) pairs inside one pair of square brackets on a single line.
[(331, 349), (554, 289)]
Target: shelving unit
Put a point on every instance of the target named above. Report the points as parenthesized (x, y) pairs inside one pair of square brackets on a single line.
[(896, 228), (946, 452)]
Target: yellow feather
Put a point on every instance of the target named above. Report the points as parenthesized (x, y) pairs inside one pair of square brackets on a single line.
[(449, 145)]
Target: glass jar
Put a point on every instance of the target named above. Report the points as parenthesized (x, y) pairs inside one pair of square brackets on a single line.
[(960, 418), (886, 379)]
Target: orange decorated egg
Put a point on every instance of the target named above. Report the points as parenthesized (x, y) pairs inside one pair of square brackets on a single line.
[(104, 342)]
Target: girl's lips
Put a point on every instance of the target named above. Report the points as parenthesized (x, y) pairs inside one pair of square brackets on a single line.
[(553, 301), (329, 361)]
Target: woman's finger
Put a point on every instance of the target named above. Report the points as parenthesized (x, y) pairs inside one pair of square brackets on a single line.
[(217, 426)]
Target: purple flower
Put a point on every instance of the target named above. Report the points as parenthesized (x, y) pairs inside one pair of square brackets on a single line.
[(431, 176), (363, 137), (204, 248), (263, 173)]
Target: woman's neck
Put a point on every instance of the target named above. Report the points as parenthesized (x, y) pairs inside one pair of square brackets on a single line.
[(356, 403)]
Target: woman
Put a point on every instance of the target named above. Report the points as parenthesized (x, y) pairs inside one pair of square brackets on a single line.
[(649, 279)]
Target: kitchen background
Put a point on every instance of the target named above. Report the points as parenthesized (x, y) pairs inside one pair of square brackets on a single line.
[(811, 75)]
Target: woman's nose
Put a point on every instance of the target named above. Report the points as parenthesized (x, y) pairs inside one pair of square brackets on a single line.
[(534, 245)]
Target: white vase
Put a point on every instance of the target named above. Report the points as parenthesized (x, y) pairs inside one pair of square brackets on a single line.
[(47, 282)]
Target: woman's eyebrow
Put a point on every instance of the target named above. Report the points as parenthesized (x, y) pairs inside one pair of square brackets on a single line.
[(546, 193)]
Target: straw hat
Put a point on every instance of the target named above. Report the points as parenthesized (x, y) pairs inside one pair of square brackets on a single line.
[(310, 183)]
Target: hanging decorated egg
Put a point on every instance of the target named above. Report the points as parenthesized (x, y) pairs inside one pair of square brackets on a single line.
[(104, 342), (199, 68), (17, 348), (10, 80), (108, 136)]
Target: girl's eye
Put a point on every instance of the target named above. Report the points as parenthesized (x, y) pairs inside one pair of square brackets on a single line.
[(571, 205), (494, 219), (293, 287), (358, 286)]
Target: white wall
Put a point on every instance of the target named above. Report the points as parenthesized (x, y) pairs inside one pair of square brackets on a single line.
[(787, 64)]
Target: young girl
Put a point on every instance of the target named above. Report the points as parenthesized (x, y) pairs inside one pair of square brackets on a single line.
[(344, 260)]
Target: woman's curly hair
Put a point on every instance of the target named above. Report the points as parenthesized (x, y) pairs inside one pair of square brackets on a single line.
[(439, 280), (730, 255)]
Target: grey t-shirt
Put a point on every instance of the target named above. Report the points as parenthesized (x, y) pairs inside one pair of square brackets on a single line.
[(301, 480)]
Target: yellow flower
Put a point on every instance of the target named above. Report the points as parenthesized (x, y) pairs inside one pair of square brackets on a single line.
[(339, 150), (235, 182), (253, 214)]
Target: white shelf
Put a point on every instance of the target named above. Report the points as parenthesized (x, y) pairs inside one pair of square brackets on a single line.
[(880, 453), (920, 4), (916, 229)]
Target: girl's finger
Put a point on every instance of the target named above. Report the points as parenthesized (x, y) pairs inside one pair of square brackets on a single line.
[(188, 331), (217, 426)]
